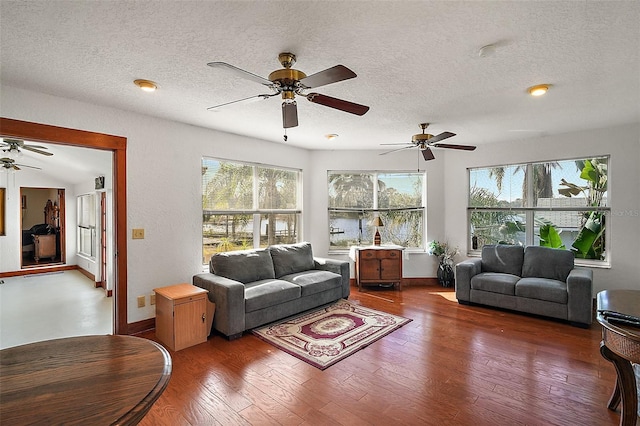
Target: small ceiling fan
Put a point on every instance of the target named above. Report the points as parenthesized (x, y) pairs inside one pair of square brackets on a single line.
[(13, 146), (425, 141), (289, 82), (10, 164)]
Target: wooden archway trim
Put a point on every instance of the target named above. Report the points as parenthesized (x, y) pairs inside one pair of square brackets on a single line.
[(60, 135)]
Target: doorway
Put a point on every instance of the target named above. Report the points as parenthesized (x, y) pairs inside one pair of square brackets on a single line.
[(116, 144), (42, 214)]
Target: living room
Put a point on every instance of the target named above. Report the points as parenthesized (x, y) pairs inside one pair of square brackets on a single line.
[(165, 145)]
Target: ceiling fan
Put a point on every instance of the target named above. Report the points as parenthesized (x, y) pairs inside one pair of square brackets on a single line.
[(425, 142), (10, 164), (289, 82), (13, 146)]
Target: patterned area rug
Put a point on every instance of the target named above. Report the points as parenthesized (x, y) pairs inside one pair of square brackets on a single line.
[(327, 335)]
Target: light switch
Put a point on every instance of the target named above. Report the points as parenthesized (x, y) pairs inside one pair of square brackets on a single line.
[(138, 234)]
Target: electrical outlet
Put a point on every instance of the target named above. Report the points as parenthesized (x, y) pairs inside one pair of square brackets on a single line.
[(141, 301), (152, 299), (138, 234)]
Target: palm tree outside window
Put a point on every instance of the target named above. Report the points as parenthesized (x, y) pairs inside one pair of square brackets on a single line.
[(559, 204), (356, 198), (247, 205)]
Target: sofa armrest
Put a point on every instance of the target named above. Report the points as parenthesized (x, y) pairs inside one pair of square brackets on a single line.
[(339, 267), (228, 295), (464, 272), (580, 292)]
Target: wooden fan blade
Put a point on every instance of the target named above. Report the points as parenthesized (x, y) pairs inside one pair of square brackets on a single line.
[(328, 76), (399, 143), (441, 136), (396, 150), (289, 115), (463, 147), (257, 97), (241, 73), (32, 148), (24, 165), (428, 154), (336, 103)]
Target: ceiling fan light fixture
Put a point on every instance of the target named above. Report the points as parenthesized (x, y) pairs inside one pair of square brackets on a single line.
[(146, 85), (14, 153), (538, 90)]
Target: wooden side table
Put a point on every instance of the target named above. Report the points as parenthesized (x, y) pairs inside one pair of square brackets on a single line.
[(378, 266), (184, 315), (621, 346), (44, 246)]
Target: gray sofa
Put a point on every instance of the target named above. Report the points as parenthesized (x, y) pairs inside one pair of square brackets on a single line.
[(536, 280), (255, 287)]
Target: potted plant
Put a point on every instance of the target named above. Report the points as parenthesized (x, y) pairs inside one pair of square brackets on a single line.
[(445, 255)]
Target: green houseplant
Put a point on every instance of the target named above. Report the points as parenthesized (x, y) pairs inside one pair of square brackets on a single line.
[(445, 255)]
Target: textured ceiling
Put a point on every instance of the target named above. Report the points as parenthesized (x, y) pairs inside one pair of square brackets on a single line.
[(417, 61)]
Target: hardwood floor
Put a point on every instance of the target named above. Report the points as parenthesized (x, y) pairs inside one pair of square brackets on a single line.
[(452, 365)]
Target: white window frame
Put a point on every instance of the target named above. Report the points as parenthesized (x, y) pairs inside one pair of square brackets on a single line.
[(255, 210), (86, 222), (375, 209), (531, 210)]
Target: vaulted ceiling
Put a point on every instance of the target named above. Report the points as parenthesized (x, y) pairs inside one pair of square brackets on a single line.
[(416, 61)]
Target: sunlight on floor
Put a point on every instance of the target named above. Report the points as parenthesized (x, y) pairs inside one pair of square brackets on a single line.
[(449, 295)]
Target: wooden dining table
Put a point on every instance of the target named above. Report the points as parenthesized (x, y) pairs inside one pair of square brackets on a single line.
[(106, 380)]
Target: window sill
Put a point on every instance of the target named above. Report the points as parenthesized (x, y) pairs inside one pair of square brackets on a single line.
[(344, 252), (86, 257), (599, 264)]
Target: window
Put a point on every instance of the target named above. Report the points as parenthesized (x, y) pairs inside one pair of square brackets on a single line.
[(248, 206), (87, 225), (559, 204), (356, 198)]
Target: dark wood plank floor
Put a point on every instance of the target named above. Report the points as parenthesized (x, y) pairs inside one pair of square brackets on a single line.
[(452, 365)]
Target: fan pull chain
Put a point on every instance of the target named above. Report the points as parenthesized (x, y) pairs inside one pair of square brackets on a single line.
[(285, 134)]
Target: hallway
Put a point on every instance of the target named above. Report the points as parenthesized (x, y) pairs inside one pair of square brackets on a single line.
[(50, 306)]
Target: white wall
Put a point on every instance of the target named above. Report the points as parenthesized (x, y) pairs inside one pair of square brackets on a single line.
[(622, 143), (164, 186), (163, 181), (36, 200)]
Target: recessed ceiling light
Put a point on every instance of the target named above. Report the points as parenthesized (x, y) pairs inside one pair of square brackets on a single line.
[(538, 90), (146, 85), (331, 136)]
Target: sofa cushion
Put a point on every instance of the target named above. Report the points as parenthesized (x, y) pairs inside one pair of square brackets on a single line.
[(495, 282), (291, 258), (502, 258), (545, 262), (543, 289), (312, 282), (245, 265), (266, 293)]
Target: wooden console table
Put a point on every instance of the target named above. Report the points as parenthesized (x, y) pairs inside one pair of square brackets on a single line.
[(378, 265), (44, 246), (82, 380), (621, 345)]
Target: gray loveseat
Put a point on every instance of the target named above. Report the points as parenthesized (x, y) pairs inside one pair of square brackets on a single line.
[(536, 280), (255, 287)]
